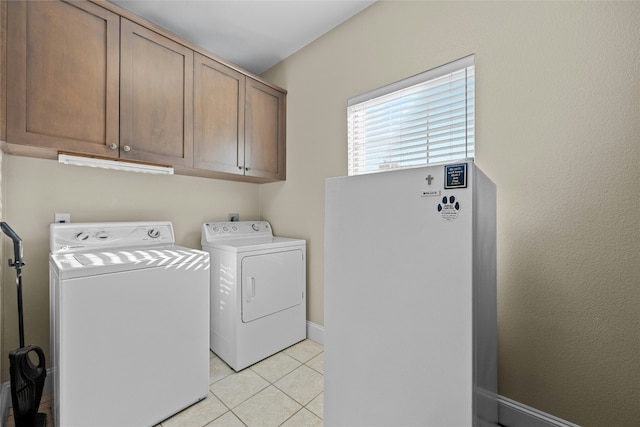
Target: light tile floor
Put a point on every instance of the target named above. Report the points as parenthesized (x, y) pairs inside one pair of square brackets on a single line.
[(286, 389)]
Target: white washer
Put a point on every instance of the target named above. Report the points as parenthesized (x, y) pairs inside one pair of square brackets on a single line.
[(129, 318), (258, 291)]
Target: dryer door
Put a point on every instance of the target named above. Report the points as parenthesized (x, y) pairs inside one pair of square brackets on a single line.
[(271, 282)]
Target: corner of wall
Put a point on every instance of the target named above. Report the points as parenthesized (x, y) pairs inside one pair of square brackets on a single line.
[(3, 69), (2, 204), (3, 137)]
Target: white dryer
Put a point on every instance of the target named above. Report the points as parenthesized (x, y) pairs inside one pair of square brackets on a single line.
[(258, 291), (129, 318)]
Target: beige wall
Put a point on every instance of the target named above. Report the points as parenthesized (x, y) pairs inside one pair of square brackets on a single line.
[(558, 130), (34, 189)]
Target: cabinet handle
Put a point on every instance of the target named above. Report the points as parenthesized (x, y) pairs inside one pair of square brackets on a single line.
[(113, 146), (247, 169), (127, 148), (240, 167)]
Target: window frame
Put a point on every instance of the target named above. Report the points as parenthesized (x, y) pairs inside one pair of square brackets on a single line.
[(465, 65)]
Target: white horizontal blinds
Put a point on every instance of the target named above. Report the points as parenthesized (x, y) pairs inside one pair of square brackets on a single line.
[(411, 124)]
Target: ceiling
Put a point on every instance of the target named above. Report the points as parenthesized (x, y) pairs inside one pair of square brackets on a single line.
[(254, 34)]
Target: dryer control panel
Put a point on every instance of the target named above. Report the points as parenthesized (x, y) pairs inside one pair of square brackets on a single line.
[(213, 231)]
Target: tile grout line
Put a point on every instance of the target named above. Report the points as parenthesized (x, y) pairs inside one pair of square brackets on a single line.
[(307, 360), (273, 383)]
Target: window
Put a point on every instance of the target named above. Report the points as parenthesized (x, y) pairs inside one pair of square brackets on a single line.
[(427, 118)]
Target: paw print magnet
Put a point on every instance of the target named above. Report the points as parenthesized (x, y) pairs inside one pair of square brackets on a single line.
[(449, 208)]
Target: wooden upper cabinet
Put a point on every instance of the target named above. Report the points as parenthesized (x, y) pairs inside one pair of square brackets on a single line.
[(83, 78), (265, 127), (156, 97), (62, 76), (218, 112), (239, 123)]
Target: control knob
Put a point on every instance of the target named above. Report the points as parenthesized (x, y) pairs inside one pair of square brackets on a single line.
[(102, 235), (81, 236), (154, 233)]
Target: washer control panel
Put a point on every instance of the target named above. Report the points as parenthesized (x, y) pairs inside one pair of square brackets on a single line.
[(235, 230), (72, 237)]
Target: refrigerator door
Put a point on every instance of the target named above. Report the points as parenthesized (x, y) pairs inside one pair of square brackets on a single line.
[(398, 300)]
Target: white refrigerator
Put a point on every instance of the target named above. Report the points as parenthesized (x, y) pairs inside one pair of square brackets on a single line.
[(410, 298)]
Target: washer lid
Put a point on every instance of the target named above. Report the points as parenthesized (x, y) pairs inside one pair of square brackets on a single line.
[(80, 264)]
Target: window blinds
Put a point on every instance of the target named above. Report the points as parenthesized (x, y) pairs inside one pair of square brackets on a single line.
[(428, 118)]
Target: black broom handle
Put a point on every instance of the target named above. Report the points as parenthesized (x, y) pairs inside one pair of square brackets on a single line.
[(17, 263)]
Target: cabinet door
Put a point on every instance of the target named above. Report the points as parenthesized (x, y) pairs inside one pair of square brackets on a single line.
[(218, 116), (63, 76), (156, 98), (265, 140)]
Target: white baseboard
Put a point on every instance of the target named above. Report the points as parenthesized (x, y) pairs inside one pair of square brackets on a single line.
[(315, 332), (515, 414), (5, 402)]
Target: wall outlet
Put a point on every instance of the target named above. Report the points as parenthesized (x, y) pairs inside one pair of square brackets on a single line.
[(233, 217), (62, 217)]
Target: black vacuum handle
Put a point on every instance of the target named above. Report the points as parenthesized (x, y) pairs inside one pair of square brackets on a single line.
[(18, 264), (17, 245)]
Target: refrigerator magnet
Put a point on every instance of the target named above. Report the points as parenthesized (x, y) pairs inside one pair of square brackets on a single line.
[(455, 176)]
